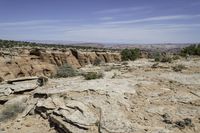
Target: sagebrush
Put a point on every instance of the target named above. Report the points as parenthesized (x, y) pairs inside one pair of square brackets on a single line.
[(11, 111), (66, 71), (93, 75)]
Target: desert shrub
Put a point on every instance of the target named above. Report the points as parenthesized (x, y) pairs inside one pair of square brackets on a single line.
[(97, 62), (66, 71), (166, 59), (179, 68), (191, 50), (11, 111), (93, 75), (157, 57), (161, 57), (176, 57), (130, 54)]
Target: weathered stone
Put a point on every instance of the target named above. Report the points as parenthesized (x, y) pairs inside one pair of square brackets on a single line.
[(82, 115), (18, 99), (64, 126), (46, 103), (18, 87), (31, 62), (10, 81)]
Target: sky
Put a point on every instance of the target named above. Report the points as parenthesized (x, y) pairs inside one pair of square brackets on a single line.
[(103, 21)]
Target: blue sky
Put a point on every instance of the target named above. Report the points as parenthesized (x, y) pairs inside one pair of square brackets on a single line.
[(113, 21)]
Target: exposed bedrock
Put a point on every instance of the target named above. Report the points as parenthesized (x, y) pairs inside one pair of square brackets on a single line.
[(35, 62)]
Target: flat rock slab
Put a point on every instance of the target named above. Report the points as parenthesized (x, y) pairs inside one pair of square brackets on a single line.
[(82, 114), (17, 87), (116, 85), (10, 81)]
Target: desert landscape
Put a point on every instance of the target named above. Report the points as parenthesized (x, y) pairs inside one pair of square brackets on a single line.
[(99, 66), (98, 91)]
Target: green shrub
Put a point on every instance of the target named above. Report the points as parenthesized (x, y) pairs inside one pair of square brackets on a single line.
[(130, 54), (156, 56), (93, 75), (179, 68), (191, 50), (11, 111), (161, 57), (66, 71)]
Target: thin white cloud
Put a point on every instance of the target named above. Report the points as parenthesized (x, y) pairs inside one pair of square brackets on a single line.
[(141, 34), (36, 22), (101, 32), (106, 18), (31, 22), (148, 33), (158, 18), (119, 10)]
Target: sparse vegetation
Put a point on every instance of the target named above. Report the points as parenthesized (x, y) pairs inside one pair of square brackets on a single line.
[(66, 71), (191, 50), (163, 59), (176, 57), (93, 75), (130, 54), (179, 68), (11, 44), (158, 57), (11, 111), (166, 59), (97, 62)]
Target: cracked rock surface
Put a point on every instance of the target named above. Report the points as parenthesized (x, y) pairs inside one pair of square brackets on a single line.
[(131, 98)]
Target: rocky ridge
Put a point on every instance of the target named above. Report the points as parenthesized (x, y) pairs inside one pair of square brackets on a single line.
[(22, 62)]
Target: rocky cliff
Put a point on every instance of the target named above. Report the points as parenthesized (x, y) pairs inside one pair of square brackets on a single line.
[(20, 62)]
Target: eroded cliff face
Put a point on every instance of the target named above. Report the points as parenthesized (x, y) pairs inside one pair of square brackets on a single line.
[(35, 62)]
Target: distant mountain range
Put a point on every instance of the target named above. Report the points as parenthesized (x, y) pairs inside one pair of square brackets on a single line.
[(160, 47)]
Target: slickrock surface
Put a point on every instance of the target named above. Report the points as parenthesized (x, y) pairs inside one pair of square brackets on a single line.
[(132, 97)]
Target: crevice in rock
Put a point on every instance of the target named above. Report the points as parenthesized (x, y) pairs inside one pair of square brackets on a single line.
[(38, 95), (2, 102)]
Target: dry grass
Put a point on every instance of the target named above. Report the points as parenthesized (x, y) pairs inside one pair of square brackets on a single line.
[(11, 111)]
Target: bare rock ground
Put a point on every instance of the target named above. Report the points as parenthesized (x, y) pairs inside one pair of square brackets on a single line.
[(133, 97)]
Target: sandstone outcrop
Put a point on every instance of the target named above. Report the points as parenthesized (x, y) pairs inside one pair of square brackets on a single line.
[(36, 62)]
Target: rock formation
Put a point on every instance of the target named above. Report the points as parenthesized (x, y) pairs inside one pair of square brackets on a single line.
[(22, 62), (132, 97)]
